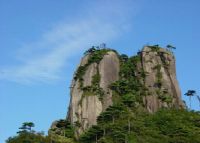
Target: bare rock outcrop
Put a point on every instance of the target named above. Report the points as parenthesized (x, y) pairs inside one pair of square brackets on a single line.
[(159, 66), (86, 106), (109, 71)]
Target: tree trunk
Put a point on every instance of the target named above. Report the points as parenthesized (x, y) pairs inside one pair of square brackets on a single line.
[(129, 126), (126, 141), (113, 119)]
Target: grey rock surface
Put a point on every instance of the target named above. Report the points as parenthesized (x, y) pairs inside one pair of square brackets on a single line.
[(109, 70), (166, 60), (86, 109)]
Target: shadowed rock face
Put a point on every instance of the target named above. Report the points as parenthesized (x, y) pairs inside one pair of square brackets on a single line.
[(160, 64), (160, 79), (84, 109)]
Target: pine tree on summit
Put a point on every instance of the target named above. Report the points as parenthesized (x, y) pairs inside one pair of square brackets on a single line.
[(190, 93), (30, 125), (170, 48), (26, 126)]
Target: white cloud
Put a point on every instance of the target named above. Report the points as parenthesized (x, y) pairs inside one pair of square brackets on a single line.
[(44, 60)]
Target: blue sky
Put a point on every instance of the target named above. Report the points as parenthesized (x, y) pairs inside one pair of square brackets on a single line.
[(42, 41)]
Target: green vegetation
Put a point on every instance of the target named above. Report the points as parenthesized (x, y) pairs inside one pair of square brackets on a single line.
[(163, 95), (158, 76), (80, 73), (96, 79), (128, 66), (155, 48), (28, 138), (118, 125), (95, 88), (165, 98), (170, 48), (95, 55), (121, 124), (129, 89), (26, 126), (64, 128), (93, 91), (165, 62), (27, 135), (62, 132)]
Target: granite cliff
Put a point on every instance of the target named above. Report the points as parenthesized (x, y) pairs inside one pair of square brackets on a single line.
[(92, 90), (90, 94)]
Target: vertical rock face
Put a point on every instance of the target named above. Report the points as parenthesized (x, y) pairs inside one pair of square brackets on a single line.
[(86, 106), (160, 79), (109, 71)]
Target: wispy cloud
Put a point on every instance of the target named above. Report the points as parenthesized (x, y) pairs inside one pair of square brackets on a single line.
[(44, 59)]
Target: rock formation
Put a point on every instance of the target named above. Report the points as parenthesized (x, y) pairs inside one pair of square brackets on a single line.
[(161, 79), (85, 106), (90, 88)]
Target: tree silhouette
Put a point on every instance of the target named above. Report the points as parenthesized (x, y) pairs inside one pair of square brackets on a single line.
[(115, 111), (198, 97), (93, 134), (128, 115), (170, 48), (30, 125), (90, 50), (190, 93), (26, 126), (124, 57)]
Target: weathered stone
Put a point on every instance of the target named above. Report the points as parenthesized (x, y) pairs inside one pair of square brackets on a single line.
[(109, 71), (166, 61), (85, 109)]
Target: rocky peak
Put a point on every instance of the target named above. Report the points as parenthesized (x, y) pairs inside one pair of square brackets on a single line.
[(90, 93), (104, 75), (159, 66)]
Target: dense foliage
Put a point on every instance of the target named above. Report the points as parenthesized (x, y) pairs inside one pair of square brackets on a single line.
[(165, 126), (27, 135), (119, 124), (64, 128), (129, 89), (63, 132), (28, 138)]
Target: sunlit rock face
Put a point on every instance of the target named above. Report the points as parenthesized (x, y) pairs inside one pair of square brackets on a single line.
[(84, 109)]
